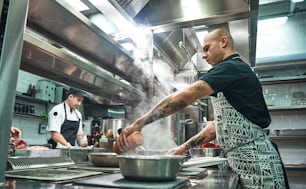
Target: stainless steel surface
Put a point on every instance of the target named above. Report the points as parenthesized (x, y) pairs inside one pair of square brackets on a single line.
[(206, 14), (132, 7), (168, 43), (150, 167), (111, 126), (13, 19), (54, 175), (77, 154), (42, 58), (104, 159), (290, 132), (204, 152), (64, 25), (19, 163)]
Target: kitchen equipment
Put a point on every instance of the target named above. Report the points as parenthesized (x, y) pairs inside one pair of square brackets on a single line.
[(55, 175), (194, 172), (203, 162), (111, 126), (77, 154), (45, 90), (20, 162), (150, 167), (45, 168), (290, 132), (38, 152), (103, 159), (118, 181), (204, 152)]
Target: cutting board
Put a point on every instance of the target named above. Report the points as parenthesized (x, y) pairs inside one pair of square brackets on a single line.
[(118, 181)]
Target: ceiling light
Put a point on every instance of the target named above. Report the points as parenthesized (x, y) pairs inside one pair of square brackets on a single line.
[(77, 4), (296, 1)]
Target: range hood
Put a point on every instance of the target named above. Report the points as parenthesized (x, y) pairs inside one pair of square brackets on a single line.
[(69, 28), (168, 16), (44, 59)]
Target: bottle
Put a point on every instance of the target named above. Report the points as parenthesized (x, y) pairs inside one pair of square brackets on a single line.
[(135, 139), (103, 142)]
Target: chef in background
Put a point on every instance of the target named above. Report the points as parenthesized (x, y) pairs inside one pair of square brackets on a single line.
[(65, 121)]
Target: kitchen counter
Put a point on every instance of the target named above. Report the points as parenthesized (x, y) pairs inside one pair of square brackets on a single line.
[(215, 179)]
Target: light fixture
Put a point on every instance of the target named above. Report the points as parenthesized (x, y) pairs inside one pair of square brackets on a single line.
[(77, 4), (296, 1), (272, 22)]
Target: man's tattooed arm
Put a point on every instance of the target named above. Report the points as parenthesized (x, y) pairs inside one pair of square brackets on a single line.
[(163, 109), (206, 135), (195, 141)]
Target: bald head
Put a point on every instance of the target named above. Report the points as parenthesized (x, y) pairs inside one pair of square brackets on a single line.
[(218, 45), (217, 34)]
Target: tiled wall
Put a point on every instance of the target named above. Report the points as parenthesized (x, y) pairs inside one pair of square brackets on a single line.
[(29, 125)]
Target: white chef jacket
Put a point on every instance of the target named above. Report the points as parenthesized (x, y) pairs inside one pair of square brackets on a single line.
[(56, 117)]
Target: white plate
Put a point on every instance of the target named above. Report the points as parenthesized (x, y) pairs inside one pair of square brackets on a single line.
[(204, 162)]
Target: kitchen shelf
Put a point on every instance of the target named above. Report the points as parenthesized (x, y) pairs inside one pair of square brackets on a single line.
[(279, 80), (281, 108), (31, 99), (30, 115), (295, 166), (296, 137)]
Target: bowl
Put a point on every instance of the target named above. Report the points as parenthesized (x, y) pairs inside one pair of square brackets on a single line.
[(103, 159), (150, 167), (204, 152)]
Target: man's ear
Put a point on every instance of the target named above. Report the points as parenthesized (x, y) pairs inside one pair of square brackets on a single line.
[(223, 41)]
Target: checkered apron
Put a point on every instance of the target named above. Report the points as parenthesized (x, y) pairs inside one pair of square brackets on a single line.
[(249, 151)]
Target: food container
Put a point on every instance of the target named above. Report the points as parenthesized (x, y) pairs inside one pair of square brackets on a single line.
[(204, 152), (103, 159), (150, 167)]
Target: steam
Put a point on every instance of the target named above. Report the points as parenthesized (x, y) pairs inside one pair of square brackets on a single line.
[(159, 134)]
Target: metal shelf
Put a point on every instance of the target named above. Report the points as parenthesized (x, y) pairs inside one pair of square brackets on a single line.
[(31, 115), (282, 108), (31, 99), (296, 137), (280, 80), (295, 166)]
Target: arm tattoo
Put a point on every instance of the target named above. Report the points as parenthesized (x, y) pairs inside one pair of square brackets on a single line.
[(195, 142), (163, 109), (153, 117)]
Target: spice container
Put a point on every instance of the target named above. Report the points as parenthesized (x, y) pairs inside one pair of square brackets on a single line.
[(135, 139)]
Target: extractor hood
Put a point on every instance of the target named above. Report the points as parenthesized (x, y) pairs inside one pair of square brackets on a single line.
[(168, 16), (69, 28), (58, 64)]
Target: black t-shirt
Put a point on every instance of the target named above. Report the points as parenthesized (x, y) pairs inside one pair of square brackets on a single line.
[(240, 87)]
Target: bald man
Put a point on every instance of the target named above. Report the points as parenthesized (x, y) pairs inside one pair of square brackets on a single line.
[(240, 115)]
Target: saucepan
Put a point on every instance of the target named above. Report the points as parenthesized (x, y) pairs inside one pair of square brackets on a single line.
[(150, 167), (103, 159)]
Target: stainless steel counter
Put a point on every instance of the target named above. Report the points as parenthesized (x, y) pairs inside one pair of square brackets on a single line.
[(214, 179)]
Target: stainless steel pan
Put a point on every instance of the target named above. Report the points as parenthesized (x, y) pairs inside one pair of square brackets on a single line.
[(103, 159), (150, 167)]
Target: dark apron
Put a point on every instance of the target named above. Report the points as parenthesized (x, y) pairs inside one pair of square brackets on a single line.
[(69, 130)]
